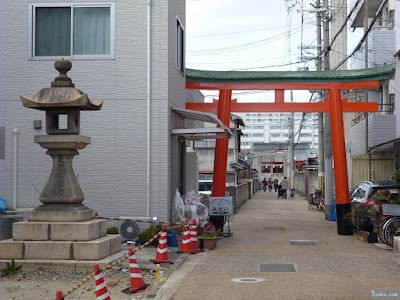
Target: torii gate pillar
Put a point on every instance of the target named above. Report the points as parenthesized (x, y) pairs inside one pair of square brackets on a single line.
[(221, 153), (339, 155)]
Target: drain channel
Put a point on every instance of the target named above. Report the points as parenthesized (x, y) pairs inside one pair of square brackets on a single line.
[(277, 268), (248, 280), (274, 227), (303, 242)]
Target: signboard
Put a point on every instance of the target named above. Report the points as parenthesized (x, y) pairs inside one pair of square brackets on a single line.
[(220, 206)]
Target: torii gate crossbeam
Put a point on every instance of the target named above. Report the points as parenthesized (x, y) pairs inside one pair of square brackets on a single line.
[(333, 81)]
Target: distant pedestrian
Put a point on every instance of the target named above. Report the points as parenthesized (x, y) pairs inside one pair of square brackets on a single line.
[(276, 183), (285, 186), (270, 184), (264, 183)]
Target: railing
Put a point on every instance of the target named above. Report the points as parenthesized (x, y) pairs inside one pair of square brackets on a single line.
[(382, 109)]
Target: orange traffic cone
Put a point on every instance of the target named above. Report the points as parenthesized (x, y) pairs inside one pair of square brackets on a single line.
[(186, 241), (193, 237), (137, 282), (162, 250), (101, 288), (59, 295)]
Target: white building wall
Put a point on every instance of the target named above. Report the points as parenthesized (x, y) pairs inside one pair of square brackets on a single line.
[(112, 170)]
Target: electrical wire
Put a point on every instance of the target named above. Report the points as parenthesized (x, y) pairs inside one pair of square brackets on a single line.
[(235, 32), (363, 38), (241, 47)]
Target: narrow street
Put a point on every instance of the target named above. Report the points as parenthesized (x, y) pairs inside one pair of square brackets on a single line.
[(337, 267)]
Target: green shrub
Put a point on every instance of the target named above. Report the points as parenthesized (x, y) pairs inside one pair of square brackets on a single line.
[(10, 270), (112, 230), (148, 234)]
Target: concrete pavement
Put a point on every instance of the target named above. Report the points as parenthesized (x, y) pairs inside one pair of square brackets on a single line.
[(261, 253)]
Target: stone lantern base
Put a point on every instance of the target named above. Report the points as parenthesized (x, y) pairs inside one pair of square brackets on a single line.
[(73, 246), (61, 234), (60, 213)]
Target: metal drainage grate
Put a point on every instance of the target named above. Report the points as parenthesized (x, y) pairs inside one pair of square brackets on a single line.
[(274, 228), (277, 268), (303, 242), (248, 280), (260, 217)]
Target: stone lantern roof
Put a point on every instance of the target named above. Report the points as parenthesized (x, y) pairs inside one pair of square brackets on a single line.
[(62, 94)]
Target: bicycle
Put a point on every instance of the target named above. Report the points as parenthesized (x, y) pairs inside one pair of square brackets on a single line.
[(387, 229), (317, 200), (310, 201)]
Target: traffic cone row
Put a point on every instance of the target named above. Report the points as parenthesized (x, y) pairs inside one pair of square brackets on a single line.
[(162, 250), (189, 245), (137, 282), (101, 288), (190, 242)]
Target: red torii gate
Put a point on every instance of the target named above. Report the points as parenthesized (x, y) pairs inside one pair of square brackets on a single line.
[(333, 81)]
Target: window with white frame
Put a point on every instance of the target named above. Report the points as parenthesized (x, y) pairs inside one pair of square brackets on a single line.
[(72, 30), (180, 46)]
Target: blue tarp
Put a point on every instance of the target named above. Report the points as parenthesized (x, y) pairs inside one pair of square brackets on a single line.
[(3, 205), (332, 215)]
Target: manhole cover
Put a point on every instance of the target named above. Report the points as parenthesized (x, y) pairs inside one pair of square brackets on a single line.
[(248, 280), (303, 242), (274, 228), (277, 268)]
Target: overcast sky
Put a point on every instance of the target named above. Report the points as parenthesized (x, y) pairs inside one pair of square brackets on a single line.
[(243, 34), (248, 35)]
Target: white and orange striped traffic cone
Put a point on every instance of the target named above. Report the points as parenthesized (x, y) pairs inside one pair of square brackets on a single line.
[(193, 237), (186, 240), (101, 288), (137, 282), (162, 250)]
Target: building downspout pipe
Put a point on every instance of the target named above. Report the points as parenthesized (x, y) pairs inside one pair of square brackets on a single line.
[(15, 169), (148, 101)]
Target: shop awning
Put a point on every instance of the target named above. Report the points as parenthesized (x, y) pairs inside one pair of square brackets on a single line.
[(202, 133)]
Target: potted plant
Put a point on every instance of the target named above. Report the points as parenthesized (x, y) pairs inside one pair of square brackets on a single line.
[(364, 215), (208, 235), (389, 200)]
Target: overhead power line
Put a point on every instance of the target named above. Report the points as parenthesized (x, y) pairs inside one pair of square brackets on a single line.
[(364, 36), (344, 23), (239, 47)]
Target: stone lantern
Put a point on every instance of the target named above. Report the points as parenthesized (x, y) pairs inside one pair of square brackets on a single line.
[(62, 195), (61, 233)]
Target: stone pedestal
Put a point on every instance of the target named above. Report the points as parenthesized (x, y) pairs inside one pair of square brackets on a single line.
[(60, 213), (38, 244)]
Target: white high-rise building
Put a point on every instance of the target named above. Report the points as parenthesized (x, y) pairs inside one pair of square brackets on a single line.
[(274, 128)]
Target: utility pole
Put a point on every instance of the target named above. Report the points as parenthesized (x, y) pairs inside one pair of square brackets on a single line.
[(291, 145), (328, 172), (366, 91), (321, 160)]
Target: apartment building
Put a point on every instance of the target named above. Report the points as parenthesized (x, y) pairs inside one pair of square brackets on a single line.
[(373, 135), (133, 59)]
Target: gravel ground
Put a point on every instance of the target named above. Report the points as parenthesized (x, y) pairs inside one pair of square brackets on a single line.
[(44, 284)]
